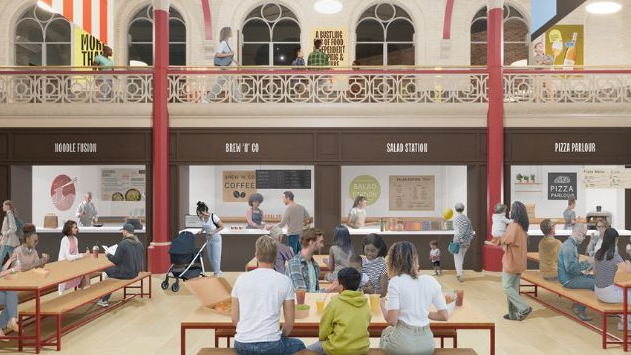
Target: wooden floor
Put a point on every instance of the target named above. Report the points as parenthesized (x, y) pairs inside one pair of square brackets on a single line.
[(153, 327)]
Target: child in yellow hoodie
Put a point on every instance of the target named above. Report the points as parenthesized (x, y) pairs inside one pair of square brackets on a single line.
[(345, 320)]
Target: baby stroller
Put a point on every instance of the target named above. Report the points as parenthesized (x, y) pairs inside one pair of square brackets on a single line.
[(186, 260)]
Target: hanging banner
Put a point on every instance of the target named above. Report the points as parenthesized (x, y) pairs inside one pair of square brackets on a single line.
[(334, 43), (86, 48), (565, 44)]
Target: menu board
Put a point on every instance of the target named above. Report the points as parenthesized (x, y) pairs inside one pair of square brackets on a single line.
[(607, 178), (411, 193), (283, 179), (123, 184), (237, 186)]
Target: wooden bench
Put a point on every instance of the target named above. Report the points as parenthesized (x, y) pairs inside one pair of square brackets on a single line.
[(313, 333), (59, 306), (585, 297), (448, 351)]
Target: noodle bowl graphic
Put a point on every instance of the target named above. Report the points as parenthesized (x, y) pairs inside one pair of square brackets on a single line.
[(62, 192), (562, 179)]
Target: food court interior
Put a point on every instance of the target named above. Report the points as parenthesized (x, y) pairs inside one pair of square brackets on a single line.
[(129, 113)]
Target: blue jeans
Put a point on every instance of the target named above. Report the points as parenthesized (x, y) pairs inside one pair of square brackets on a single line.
[(581, 282), (6, 250), (213, 248), (293, 240), (9, 299), (285, 346)]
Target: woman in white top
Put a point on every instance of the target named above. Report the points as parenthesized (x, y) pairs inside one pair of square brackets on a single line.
[(357, 214), (224, 57), (69, 250), (211, 226), (407, 307), (9, 240)]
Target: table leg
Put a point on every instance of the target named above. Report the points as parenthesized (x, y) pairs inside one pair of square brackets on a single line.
[(492, 340), (182, 340), (625, 313), (38, 321)]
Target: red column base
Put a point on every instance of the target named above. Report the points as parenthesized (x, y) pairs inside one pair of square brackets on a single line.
[(492, 258), (158, 261)]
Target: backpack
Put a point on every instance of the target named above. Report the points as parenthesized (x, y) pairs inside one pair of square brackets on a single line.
[(18, 227)]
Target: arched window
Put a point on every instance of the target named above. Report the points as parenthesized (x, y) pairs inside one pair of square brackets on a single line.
[(42, 38), (270, 36), (515, 36), (385, 36), (140, 37)]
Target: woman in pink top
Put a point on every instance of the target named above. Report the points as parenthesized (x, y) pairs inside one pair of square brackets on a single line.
[(69, 250)]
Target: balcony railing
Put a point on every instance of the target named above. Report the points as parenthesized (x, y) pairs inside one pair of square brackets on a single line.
[(310, 85), (583, 85), (46, 85)]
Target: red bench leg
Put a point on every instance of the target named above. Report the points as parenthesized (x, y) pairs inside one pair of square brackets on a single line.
[(20, 332), (456, 340), (442, 342), (59, 332), (149, 286)]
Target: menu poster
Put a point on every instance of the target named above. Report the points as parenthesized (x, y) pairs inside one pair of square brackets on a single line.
[(562, 186), (123, 184), (607, 178), (412, 192), (283, 179), (237, 186)]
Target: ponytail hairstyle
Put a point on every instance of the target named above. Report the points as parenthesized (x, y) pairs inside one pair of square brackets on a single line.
[(202, 208)]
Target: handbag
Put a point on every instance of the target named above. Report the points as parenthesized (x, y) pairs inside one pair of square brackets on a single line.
[(453, 247), (223, 61), (51, 221)]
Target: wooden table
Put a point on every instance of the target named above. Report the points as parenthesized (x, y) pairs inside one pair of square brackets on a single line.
[(253, 264), (465, 317), (535, 257), (60, 271)]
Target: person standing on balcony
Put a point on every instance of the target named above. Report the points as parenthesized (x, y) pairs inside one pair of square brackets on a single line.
[(224, 57), (103, 62), (300, 60), (318, 58)]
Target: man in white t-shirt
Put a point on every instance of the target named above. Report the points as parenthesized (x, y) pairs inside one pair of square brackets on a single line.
[(257, 298)]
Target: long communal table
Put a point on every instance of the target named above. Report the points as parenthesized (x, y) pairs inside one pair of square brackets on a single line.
[(465, 317), (59, 272)]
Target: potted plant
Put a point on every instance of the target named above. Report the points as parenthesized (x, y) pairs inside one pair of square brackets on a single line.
[(532, 178), (520, 177), (526, 178)]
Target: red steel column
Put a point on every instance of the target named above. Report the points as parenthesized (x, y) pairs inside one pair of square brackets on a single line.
[(158, 257), (491, 256)]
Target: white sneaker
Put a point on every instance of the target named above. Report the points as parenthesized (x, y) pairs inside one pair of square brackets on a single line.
[(102, 303)]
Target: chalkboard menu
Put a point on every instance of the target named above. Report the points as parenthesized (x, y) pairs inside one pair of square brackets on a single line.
[(283, 179)]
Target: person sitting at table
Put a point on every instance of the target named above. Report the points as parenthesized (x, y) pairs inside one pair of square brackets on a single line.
[(254, 215), (596, 238), (257, 297), (339, 253), (284, 253), (570, 269), (345, 320), (69, 250), (407, 307), (374, 265), (608, 262), (548, 251), (127, 258), (26, 254), (9, 300), (302, 269)]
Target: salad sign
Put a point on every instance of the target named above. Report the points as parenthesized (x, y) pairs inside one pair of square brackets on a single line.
[(562, 186)]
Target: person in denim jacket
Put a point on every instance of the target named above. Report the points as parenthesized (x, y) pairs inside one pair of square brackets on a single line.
[(570, 268)]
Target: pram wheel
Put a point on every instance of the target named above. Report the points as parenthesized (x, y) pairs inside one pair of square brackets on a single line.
[(164, 284), (175, 287)]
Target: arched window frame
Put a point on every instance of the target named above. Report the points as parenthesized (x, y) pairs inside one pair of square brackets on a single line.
[(256, 14), (511, 13), (30, 15), (146, 14), (399, 11)]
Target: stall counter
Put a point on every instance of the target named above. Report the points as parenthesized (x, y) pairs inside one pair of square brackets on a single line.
[(95, 230)]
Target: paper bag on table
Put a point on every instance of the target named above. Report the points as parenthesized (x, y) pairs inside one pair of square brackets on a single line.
[(214, 293)]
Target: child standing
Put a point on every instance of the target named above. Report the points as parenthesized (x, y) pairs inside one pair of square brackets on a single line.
[(374, 264), (434, 256), (365, 284), (345, 320), (499, 222)]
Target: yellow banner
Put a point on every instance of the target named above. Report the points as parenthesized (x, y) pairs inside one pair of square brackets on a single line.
[(86, 47), (334, 43)]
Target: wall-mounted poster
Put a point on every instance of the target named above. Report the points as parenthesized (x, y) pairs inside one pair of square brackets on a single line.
[(562, 186), (334, 43), (63, 192), (411, 193), (123, 184), (565, 44), (237, 186), (366, 186), (86, 48)]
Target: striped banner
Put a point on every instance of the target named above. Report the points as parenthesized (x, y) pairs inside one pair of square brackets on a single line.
[(93, 16)]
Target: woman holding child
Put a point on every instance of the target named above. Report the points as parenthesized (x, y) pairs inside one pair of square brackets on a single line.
[(406, 309)]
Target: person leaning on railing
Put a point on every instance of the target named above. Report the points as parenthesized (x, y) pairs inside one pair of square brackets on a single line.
[(103, 62)]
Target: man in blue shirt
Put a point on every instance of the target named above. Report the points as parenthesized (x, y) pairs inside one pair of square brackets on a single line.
[(570, 269)]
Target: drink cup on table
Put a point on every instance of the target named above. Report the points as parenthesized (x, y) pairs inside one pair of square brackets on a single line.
[(374, 302), (459, 297), (95, 251), (300, 296), (320, 305)]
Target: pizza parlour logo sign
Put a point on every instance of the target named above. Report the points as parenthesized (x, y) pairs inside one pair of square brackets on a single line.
[(562, 186)]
